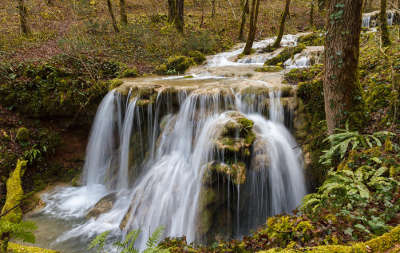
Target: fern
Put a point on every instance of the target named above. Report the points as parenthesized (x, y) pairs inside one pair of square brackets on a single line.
[(128, 244), (345, 139)]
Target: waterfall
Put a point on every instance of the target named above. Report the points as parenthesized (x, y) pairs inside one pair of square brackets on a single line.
[(366, 20)]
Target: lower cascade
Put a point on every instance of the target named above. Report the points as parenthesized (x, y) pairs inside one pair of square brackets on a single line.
[(205, 163)]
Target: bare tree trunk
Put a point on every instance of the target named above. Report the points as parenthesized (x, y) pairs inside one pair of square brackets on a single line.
[(179, 20), (22, 18), (253, 26), (213, 8), (49, 2), (278, 40), (342, 49), (171, 11), (384, 26), (202, 12), (176, 14), (312, 13), (122, 12), (245, 11), (110, 10)]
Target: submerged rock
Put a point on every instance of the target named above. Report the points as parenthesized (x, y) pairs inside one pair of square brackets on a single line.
[(104, 205)]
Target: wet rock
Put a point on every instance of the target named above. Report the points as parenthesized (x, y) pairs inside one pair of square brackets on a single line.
[(104, 205)]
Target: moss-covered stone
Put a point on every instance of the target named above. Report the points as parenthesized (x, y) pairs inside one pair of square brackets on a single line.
[(286, 54), (129, 72), (197, 56), (22, 134), (18, 248), (269, 69), (313, 39), (175, 65)]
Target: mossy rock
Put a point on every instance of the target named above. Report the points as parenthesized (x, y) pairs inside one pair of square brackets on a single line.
[(104, 205), (296, 76), (18, 248), (129, 72), (269, 69), (22, 134), (313, 39), (175, 65), (115, 83), (197, 56), (286, 54)]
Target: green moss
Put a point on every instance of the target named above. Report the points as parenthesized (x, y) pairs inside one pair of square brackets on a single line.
[(197, 56), (312, 39), (18, 248), (14, 194), (286, 54), (115, 83), (22, 134), (129, 72), (295, 76), (176, 65), (269, 69)]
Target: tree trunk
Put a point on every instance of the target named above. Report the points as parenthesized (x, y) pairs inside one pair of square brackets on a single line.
[(179, 21), (49, 2), (171, 11), (22, 18), (312, 14), (176, 14), (384, 26), (342, 48), (110, 10), (245, 11), (5, 237), (213, 8), (253, 27), (122, 10), (278, 40)]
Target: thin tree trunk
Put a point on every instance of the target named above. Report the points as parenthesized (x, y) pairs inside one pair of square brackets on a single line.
[(4, 239), (202, 13), (384, 26), (312, 14), (122, 10), (342, 49), (23, 18), (213, 8), (49, 2), (179, 20), (278, 40), (110, 10), (253, 26), (171, 11), (245, 11)]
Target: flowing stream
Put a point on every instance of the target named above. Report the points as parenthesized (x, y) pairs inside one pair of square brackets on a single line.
[(152, 160)]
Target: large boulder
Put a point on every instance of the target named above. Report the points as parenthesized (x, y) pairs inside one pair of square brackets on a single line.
[(104, 205)]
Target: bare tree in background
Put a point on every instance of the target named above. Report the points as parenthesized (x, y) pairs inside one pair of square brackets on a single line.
[(278, 40), (245, 11), (312, 6), (113, 20), (23, 14), (176, 14), (255, 5), (342, 49), (122, 12), (384, 25)]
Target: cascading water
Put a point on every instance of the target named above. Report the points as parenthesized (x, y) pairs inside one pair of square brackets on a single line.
[(203, 158)]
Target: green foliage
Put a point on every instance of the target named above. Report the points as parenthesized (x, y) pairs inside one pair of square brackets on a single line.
[(313, 39), (286, 54), (197, 56), (21, 231), (129, 72), (345, 138), (176, 65), (269, 69), (22, 134), (128, 244), (295, 76)]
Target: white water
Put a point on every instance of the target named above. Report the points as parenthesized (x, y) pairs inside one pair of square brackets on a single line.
[(154, 159), (369, 22)]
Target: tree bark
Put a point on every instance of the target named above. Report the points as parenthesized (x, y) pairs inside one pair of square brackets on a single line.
[(23, 13), (176, 14), (122, 12), (245, 11), (278, 40), (253, 26), (342, 49), (312, 14), (110, 10), (384, 26), (213, 8)]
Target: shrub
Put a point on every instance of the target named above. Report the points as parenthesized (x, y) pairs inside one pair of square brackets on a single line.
[(129, 72), (286, 54), (22, 134), (176, 65), (197, 56)]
